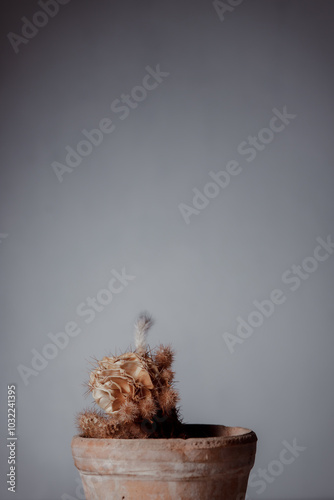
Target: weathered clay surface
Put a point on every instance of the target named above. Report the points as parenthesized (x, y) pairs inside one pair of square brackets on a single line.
[(212, 464)]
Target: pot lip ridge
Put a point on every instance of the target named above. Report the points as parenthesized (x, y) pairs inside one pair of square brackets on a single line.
[(233, 436)]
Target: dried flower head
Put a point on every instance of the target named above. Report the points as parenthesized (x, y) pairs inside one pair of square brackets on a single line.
[(118, 378)]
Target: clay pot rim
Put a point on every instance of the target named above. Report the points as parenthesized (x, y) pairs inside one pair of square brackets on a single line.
[(233, 436)]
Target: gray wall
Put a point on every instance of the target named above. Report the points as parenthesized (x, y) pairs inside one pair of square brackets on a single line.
[(120, 208)]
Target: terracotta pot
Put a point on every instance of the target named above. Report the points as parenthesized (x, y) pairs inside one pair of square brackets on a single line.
[(213, 463)]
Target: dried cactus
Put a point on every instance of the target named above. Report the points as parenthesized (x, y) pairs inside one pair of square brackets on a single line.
[(93, 424), (136, 392), (164, 357)]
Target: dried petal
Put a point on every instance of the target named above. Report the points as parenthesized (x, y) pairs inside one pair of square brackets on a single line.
[(119, 377)]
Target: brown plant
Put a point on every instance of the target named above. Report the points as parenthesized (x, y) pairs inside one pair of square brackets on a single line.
[(136, 392)]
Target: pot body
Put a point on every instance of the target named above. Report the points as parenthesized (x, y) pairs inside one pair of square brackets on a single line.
[(214, 463)]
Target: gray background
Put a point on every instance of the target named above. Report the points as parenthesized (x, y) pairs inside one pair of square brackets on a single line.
[(119, 208)]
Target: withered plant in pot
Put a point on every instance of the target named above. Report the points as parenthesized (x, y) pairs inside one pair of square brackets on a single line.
[(136, 447)]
